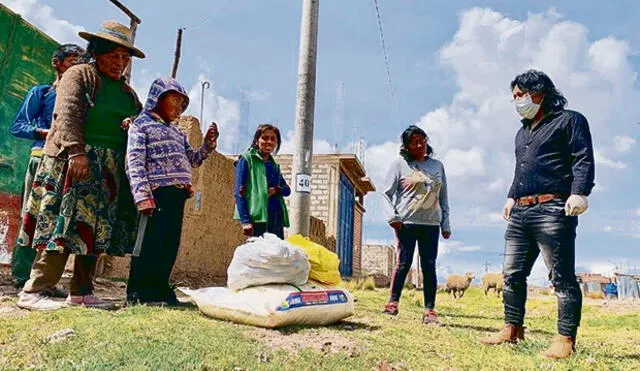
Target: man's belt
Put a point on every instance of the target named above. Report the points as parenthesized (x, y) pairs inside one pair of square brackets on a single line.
[(537, 199)]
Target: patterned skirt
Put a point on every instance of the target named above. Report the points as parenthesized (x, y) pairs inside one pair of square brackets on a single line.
[(86, 217)]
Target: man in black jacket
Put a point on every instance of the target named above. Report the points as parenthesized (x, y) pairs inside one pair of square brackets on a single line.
[(553, 177)]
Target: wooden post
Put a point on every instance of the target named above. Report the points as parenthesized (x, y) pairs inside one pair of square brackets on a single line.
[(135, 21), (176, 58)]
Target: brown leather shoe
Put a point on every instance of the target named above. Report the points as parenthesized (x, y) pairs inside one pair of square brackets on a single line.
[(509, 334), (561, 347)]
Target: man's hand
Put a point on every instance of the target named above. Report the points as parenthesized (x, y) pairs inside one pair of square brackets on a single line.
[(247, 229), (211, 137), (79, 166), (576, 205), (506, 209), (146, 207), (446, 235)]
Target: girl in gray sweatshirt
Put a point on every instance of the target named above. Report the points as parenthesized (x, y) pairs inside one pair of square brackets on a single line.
[(418, 211)]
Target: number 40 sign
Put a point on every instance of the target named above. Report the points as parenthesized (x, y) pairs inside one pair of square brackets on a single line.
[(303, 183)]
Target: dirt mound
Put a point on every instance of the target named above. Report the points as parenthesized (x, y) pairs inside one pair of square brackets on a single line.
[(325, 342)]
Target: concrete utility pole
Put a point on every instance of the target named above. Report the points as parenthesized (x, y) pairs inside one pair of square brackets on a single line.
[(135, 21), (305, 105)]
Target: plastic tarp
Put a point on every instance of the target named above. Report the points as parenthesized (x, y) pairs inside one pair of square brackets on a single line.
[(628, 288), (25, 61)]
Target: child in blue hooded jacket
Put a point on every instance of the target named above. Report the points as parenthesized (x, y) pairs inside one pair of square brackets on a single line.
[(159, 162)]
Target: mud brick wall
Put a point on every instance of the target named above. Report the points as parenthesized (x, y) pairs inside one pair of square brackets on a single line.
[(378, 259), (209, 233)]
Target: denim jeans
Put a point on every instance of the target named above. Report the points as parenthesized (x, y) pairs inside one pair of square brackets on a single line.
[(426, 236), (534, 229)]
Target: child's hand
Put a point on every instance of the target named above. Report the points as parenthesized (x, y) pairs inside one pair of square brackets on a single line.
[(247, 229), (211, 137), (146, 207), (126, 123)]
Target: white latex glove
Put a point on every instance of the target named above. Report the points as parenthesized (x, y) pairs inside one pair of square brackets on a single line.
[(506, 209), (576, 205)]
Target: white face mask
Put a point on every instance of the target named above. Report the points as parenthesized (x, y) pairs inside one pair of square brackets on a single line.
[(526, 108)]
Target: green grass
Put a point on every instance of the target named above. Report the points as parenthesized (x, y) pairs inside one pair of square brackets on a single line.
[(151, 338)]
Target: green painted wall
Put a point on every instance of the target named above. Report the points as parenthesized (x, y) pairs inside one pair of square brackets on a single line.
[(25, 61)]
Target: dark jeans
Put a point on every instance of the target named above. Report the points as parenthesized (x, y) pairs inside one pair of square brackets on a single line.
[(426, 236), (274, 225), (542, 228), (149, 273)]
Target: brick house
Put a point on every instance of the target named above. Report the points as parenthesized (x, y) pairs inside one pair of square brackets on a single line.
[(339, 184), (378, 259)]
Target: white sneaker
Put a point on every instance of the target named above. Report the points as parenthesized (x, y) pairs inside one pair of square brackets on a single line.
[(38, 301)]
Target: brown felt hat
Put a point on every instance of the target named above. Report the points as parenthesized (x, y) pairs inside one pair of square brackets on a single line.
[(116, 33)]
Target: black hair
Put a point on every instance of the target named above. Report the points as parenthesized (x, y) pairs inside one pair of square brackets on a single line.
[(67, 50), (406, 139), (534, 81), (262, 128), (97, 47)]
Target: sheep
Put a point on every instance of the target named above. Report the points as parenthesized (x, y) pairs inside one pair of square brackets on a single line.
[(493, 281), (457, 285)]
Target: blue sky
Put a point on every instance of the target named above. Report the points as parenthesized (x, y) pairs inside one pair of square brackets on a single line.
[(451, 63)]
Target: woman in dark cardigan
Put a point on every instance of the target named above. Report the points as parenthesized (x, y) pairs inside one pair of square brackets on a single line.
[(80, 201)]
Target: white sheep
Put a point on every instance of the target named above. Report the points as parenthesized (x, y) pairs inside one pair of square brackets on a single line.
[(457, 285), (493, 281)]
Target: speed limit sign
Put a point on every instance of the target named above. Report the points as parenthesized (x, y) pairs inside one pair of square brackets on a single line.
[(303, 183)]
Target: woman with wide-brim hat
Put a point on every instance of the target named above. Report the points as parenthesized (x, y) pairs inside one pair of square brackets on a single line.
[(80, 201)]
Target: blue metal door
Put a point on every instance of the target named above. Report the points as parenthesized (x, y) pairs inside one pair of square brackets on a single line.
[(346, 203)]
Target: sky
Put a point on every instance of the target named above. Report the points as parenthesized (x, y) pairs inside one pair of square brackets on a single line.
[(451, 64)]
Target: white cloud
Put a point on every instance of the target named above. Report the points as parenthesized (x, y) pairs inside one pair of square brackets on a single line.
[(225, 112), (141, 80), (473, 134), (320, 146), (608, 229), (43, 17), (447, 247), (256, 95), (496, 186), (638, 212), (464, 163), (623, 143), (602, 160)]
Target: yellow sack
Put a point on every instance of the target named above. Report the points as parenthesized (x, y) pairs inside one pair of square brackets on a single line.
[(324, 263)]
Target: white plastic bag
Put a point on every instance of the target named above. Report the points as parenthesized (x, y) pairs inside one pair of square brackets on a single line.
[(268, 259), (274, 305)]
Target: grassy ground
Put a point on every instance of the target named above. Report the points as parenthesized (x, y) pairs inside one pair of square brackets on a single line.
[(151, 338)]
